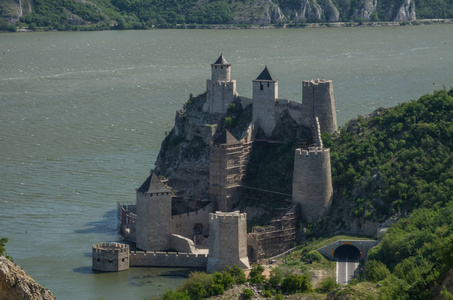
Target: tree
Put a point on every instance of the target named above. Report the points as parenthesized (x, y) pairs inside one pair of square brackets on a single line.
[(296, 284)]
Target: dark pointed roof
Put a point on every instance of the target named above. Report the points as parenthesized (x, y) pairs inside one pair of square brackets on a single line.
[(153, 184), (226, 138), (221, 60), (265, 75)]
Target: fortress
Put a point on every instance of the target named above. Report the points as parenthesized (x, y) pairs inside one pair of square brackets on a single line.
[(215, 236)]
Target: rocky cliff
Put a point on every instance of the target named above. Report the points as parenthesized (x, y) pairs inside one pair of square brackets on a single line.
[(16, 284), (12, 10)]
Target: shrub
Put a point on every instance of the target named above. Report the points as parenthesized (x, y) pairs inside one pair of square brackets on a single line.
[(276, 277), (172, 295), (247, 294), (296, 284), (376, 271), (328, 284), (256, 274)]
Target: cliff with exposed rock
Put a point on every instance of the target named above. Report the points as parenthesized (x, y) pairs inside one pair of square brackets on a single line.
[(15, 283)]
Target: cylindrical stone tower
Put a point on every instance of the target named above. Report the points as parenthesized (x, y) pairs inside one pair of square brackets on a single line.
[(312, 182), (227, 241)]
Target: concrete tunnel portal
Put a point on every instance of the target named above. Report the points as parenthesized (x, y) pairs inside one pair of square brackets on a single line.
[(347, 253)]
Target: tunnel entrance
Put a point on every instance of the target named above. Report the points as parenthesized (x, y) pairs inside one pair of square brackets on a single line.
[(347, 253)]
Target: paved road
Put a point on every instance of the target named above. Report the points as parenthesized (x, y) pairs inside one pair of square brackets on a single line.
[(345, 271)]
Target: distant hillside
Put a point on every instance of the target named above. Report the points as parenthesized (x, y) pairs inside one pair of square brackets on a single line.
[(127, 14)]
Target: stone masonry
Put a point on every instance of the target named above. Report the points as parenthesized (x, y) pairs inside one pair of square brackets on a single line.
[(221, 90), (228, 160), (227, 241), (153, 225)]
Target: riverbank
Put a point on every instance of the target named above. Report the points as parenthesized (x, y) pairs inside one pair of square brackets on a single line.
[(253, 26)]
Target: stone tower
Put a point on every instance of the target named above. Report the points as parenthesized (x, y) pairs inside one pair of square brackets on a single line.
[(153, 225), (227, 241), (265, 93), (228, 159), (312, 179), (220, 89), (318, 101)]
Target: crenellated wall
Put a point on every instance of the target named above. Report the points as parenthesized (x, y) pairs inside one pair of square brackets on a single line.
[(184, 224), (110, 257), (167, 259)]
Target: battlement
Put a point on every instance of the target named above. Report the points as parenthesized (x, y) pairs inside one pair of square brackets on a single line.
[(312, 151), (228, 215), (316, 82), (229, 83), (167, 259), (110, 257), (111, 247)]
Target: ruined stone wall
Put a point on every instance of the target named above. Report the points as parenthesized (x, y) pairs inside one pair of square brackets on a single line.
[(167, 259), (318, 101), (184, 224), (264, 95), (274, 239), (227, 241), (110, 257), (153, 224), (312, 182), (294, 109)]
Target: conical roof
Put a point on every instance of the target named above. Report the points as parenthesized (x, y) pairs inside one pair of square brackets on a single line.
[(221, 60), (265, 75), (226, 138), (153, 184)]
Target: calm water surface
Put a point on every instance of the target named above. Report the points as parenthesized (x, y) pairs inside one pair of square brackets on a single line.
[(83, 115)]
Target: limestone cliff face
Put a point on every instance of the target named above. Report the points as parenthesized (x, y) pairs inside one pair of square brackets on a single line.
[(13, 10), (365, 10), (260, 12), (406, 11), (16, 284), (345, 10)]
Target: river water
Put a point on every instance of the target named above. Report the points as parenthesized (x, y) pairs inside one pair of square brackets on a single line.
[(83, 115)]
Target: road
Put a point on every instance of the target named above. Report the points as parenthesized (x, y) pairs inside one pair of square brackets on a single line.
[(345, 270)]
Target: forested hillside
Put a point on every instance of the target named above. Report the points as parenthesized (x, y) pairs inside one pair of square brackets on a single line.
[(138, 14), (398, 163)]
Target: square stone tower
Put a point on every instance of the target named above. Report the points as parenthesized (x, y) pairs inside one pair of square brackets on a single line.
[(265, 93), (228, 159), (227, 241), (220, 89), (153, 225)]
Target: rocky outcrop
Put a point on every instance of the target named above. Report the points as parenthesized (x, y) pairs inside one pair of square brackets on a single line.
[(364, 11), (16, 284), (406, 12), (13, 10)]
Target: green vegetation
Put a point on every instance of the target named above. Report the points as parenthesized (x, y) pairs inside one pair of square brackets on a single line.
[(396, 160), (200, 285), (3, 241), (145, 14)]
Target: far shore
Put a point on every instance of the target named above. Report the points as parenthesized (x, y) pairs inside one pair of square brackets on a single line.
[(273, 26)]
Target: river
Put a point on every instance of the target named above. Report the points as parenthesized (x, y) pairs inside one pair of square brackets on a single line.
[(83, 115)]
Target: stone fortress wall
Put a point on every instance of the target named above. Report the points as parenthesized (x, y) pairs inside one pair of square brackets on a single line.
[(157, 230), (195, 221), (167, 259)]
